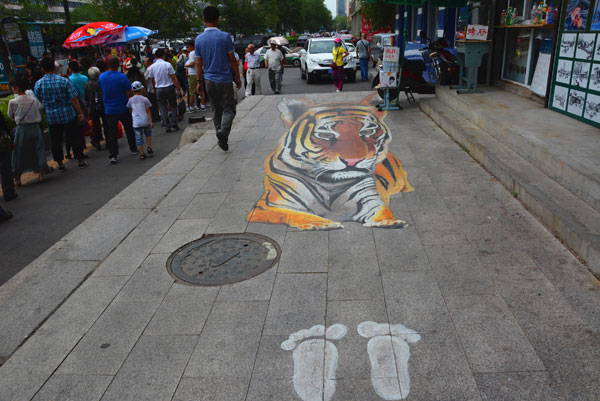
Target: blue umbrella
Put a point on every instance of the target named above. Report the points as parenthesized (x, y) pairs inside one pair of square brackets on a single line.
[(129, 35)]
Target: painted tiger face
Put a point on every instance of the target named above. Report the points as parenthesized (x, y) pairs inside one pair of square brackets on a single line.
[(337, 143)]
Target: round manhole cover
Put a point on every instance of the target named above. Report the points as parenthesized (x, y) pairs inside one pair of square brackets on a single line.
[(223, 259)]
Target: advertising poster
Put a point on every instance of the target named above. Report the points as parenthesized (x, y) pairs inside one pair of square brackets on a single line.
[(577, 14), (540, 76), (36, 40), (596, 17)]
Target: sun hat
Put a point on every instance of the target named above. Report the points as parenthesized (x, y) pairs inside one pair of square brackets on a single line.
[(337, 40), (137, 86)]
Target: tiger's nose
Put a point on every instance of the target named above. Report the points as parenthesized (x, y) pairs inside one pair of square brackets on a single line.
[(351, 162)]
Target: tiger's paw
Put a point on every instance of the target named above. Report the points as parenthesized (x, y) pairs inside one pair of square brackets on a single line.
[(319, 225), (387, 223)]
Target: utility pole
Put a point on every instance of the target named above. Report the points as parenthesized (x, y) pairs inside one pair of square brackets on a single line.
[(67, 14)]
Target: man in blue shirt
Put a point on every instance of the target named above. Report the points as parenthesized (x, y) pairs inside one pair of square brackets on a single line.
[(116, 91), (63, 112), (215, 63)]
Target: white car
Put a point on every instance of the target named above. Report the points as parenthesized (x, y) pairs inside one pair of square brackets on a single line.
[(316, 58)]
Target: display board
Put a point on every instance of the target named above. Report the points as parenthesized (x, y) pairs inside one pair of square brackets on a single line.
[(576, 79)]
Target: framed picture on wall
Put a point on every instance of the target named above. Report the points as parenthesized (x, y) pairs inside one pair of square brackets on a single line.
[(585, 46), (567, 45), (596, 17), (597, 51), (576, 102), (563, 74), (559, 100), (577, 15), (595, 78), (581, 74), (592, 108)]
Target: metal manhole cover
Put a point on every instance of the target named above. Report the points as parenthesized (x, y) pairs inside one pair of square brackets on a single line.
[(223, 259)]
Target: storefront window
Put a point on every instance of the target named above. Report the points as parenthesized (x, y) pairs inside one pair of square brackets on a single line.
[(441, 19), (517, 55)]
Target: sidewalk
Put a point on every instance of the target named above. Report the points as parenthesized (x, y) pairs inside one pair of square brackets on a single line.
[(473, 300)]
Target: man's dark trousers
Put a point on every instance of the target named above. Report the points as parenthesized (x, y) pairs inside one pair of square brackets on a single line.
[(223, 104), (112, 123), (72, 132), (8, 186)]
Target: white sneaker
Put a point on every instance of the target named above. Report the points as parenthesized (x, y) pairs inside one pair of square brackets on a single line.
[(113, 160), (338, 91)]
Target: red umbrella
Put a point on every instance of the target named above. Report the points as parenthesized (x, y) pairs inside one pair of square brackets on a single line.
[(84, 35)]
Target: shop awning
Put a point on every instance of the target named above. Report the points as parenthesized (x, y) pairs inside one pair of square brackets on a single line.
[(419, 3), (415, 3)]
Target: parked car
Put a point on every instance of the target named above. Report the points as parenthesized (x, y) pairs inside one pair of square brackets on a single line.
[(302, 40), (379, 40), (240, 44), (291, 57), (348, 38), (316, 59)]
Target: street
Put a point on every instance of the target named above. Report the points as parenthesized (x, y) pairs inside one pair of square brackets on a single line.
[(464, 296), (44, 213)]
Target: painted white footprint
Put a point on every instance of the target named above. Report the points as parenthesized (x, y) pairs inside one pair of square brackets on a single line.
[(389, 353), (315, 361)]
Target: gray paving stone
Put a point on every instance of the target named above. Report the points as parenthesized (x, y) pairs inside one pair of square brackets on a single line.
[(180, 233), (355, 390), (452, 255), (572, 357), (18, 319), (491, 338), (443, 237), (185, 191), (158, 356), (264, 388), (128, 256), (532, 299), (355, 283), (492, 255), (361, 252), (212, 389), (108, 342), (204, 206), (73, 388), (400, 250), (285, 316), (431, 221), (276, 232), (272, 362), (77, 314), (304, 252), (32, 364), (150, 282), (517, 386), (92, 241), (414, 300), (158, 221), (257, 288), (230, 219), (182, 162), (245, 193), (435, 353), (183, 311), (149, 388), (229, 341), (353, 359), (146, 192)]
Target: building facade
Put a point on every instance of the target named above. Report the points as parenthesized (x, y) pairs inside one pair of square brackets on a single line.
[(341, 7)]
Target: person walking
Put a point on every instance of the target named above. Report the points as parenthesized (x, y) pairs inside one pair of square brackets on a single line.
[(95, 106), (253, 73), (142, 119), (274, 63), (363, 52), (63, 112), (339, 52), (6, 176), (215, 62), (150, 91), (29, 146), (116, 90), (78, 80), (164, 81)]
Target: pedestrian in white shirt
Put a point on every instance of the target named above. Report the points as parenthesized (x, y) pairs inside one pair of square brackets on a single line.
[(164, 81), (274, 62), (253, 73)]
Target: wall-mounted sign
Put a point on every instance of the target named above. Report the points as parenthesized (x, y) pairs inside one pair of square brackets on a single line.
[(36, 40), (11, 32), (477, 32)]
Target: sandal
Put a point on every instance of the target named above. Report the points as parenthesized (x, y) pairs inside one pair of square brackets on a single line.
[(18, 183), (150, 151), (142, 157), (41, 179)]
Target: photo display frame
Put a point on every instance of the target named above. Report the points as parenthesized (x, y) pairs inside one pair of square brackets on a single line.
[(575, 87)]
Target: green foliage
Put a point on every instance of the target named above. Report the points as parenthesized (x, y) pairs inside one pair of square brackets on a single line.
[(239, 17), (340, 22), (4, 110), (381, 14), (89, 12), (30, 9)]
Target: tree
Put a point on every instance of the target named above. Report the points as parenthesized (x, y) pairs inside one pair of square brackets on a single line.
[(239, 17), (381, 14), (30, 9), (340, 23)]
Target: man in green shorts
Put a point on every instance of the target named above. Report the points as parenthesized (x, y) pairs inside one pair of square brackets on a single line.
[(191, 73)]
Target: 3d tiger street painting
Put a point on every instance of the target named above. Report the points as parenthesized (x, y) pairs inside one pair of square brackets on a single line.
[(332, 165)]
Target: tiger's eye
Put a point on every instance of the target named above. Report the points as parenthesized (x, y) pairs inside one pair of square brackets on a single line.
[(328, 136)]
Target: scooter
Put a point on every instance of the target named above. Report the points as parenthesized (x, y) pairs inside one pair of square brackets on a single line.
[(443, 61)]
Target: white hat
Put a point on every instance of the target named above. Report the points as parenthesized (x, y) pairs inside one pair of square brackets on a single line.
[(137, 86)]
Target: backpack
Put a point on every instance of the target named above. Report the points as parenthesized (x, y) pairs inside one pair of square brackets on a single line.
[(97, 105)]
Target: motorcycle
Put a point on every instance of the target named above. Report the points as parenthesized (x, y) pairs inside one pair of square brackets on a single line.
[(444, 62)]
